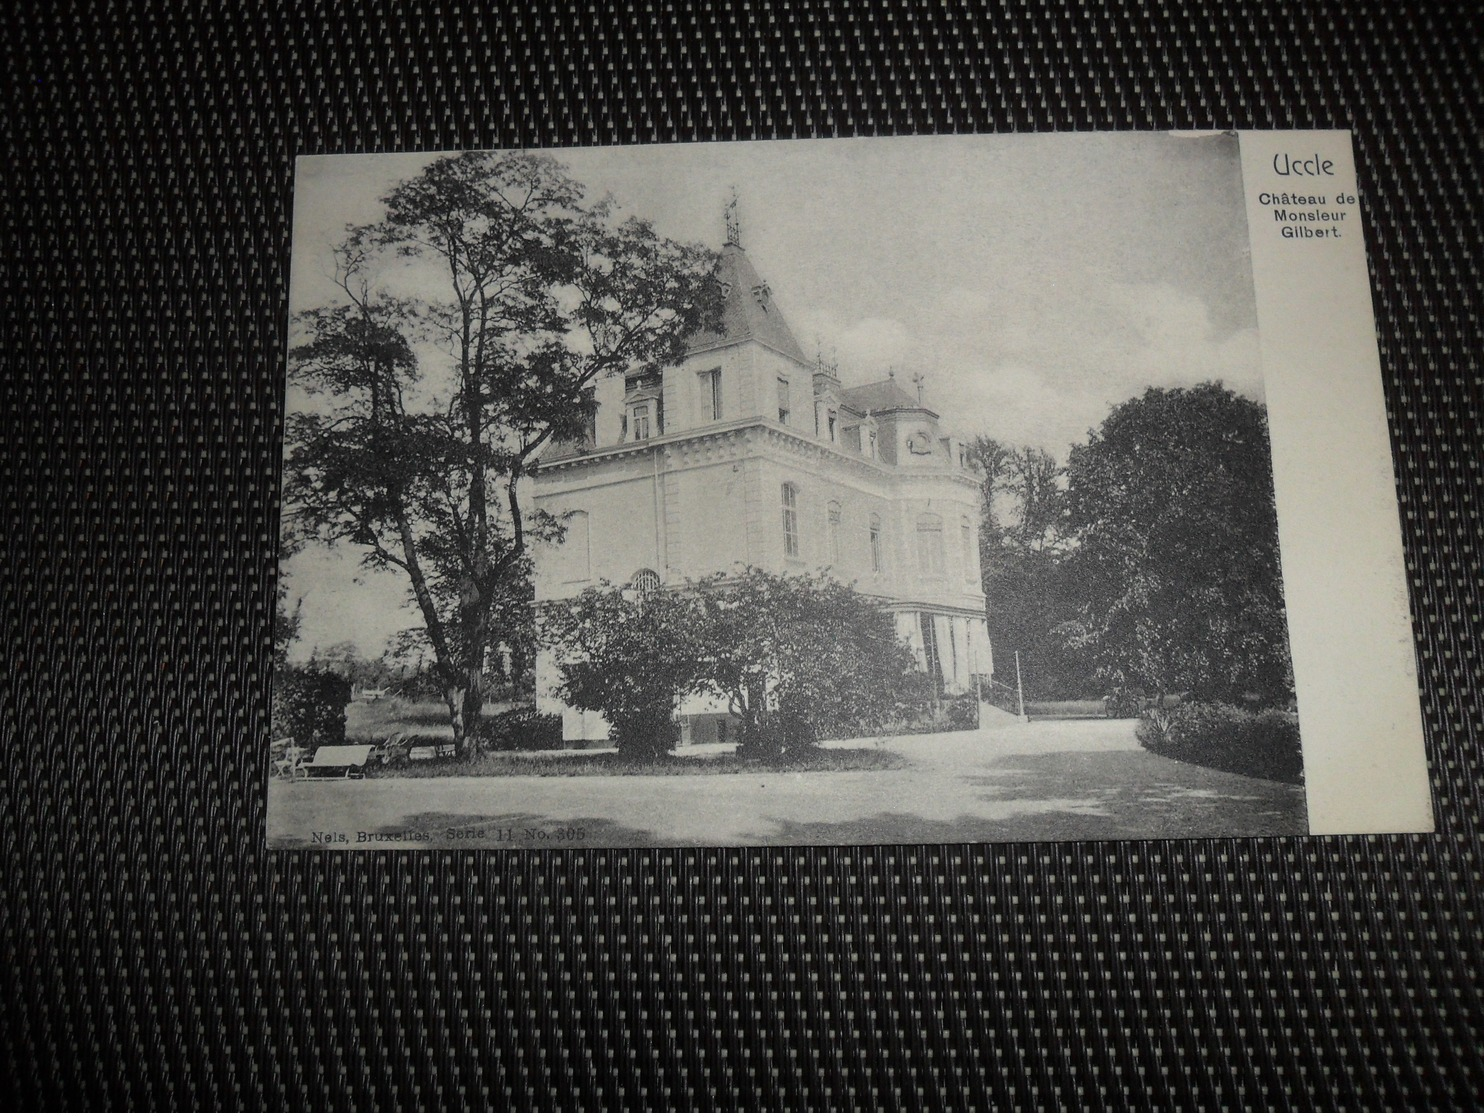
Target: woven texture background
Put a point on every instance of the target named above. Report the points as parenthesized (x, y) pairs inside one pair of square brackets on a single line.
[(153, 954)]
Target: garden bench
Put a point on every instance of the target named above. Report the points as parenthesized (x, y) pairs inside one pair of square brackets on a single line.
[(346, 761)]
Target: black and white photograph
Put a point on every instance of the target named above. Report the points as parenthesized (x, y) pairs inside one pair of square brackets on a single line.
[(835, 492)]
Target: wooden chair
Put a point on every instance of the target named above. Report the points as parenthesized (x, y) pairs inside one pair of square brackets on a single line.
[(288, 758), (393, 750)]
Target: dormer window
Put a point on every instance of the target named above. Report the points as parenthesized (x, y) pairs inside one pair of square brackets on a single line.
[(644, 407), (640, 425)]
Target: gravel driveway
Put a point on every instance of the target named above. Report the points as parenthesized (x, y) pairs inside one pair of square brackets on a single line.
[(1072, 780)]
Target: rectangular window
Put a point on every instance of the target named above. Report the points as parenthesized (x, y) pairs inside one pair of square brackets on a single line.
[(783, 400), (875, 545), (641, 422), (930, 546), (834, 525), (967, 534), (790, 521), (711, 392), (831, 420)]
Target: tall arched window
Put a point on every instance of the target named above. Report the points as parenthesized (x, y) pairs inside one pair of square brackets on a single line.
[(790, 519), (930, 545), (875, 544)]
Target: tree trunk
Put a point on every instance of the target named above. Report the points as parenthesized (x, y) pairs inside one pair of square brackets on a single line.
[(473, 711), (448, 674), (453, 697), (474, 630)]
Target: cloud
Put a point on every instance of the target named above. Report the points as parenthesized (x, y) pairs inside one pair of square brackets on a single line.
[(1040, 357), (864, 347), (876, 343)]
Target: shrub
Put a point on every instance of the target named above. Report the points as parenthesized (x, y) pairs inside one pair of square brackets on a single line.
[(797, 657), (961, 713), (522, 729), (309, 706), (921, 712), (628, 655), (1124, 702), (1264, 744)]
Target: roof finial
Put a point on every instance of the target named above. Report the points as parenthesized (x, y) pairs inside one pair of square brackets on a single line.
[(734, 230)]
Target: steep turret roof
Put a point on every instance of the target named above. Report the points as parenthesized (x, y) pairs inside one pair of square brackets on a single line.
[(883, 395), (748, 312)]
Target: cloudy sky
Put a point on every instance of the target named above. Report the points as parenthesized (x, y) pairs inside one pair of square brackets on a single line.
[(1034, 280)]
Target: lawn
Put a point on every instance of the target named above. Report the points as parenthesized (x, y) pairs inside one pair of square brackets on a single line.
[(367, 720)]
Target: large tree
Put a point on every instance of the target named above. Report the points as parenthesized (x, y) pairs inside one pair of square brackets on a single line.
[(422, 460), (1022, 544), (1176, 571)]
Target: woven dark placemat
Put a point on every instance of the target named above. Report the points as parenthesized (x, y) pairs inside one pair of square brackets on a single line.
[(152, 952)]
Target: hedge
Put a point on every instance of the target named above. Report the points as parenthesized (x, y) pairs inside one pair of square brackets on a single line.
[(522, 729), (1264, 744)]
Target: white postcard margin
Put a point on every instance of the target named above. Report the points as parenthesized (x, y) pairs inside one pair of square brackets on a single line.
[(1349, 618)]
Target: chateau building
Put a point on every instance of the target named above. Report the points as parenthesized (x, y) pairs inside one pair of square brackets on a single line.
[(749, 453)]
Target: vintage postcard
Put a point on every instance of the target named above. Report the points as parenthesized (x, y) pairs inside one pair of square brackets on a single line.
[(840, 492)]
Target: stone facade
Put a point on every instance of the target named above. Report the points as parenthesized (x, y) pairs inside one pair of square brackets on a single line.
[(747, 453)]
